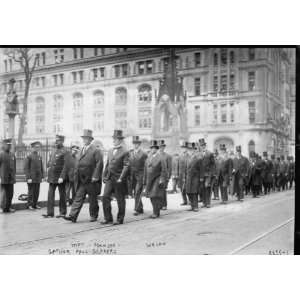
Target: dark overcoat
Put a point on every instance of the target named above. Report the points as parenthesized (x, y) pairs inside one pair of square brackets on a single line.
[(182, 165), (57, 165), (168, 159), (137, 165), (7, 168), (225, 171), (33, 168), (193, 174)]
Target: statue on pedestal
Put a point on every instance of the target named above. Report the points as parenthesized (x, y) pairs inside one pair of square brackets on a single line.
[(11, 101)]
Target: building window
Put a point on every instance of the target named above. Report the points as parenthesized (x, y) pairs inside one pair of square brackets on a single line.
[(215, 113), (231, 82), (223, 56), (251, 147), (80, 76), (57, 114), (125, 70), (223, 83), (215, 59), (251, 111), (215, 84), (145, 94), (98, 121), (149, 66), (43, 54), (232, 58), (117, 71), (81, 52), (145, 118), (197, 86), (77, 112), (251, 53), (74, 77), (98, 99), (61, 77), (197, 59), (54, 80), (121, 119), (102, 72), (121, 96), (40, 115), (223, 113), (98, 110), (37, 58), (43, 81), (10, 64), (95, 74), (75, 53), (251, 81), (5, 65), (197, 115), (59, 56), (232, 112), (95, 51), (141, 67)]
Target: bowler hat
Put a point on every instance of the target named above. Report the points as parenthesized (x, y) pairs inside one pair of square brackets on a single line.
[(238, 149), (184, 145), (60, 137), (162, 143), (118, 134), (7, 141), (265, 154), (136, 139), (202, 142), (35, 143), (154, 144), (87, 133)]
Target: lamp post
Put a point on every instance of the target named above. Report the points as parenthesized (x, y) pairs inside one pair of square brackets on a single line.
[(11, 109)]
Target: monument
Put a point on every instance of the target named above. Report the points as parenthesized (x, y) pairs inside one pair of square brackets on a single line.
[(170, 112), (11, 108)]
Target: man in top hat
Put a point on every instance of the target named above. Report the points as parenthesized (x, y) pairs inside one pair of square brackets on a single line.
[(215, 184), (193, 176), (273, 172), (182, 167), (88, 172), (137, 159), (225, 173), (34, 174), (208, 174), (57, 170), (70, 176), (175, 172), (278, 176), (155, 178), (256, 178), (240, 171), (168, 158), (115, 179), (7, 175), (267, 173), (291, 170)]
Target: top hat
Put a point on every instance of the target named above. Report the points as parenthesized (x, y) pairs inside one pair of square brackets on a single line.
[(184, 145), (190, 146), (7, 141), (202, 142), (272, 156), (118, 134), (35, 143), (194, 145), (87, 133), (265, 154), (162, 143), (238, 149), (60, 137), (223, 147), (136, 139), (154, 144)]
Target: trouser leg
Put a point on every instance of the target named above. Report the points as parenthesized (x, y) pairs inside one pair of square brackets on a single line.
[(138, 197), (164, 202), (78, 201), (62, 199), (35, 194), (106, 201), (184, 196), (121, 201), (51, 199), (30, 194), (93, 200), (156, 205), (68, 192), (7, 194)]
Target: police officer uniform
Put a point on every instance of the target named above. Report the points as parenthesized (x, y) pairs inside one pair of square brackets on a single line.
[(34, 173), (57, 168), (137, 159), (7, 176)]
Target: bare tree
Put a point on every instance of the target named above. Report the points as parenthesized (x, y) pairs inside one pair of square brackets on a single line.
[(28, 61)]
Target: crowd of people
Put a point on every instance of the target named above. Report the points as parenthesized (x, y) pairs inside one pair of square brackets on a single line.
[(201, 175)]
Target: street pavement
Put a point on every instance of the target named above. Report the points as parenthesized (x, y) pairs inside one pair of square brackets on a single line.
[(262, 225)]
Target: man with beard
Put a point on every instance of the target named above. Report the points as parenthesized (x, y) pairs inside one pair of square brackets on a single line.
[(168, 159), (137, 159), (225, 173), (193, 176), (183, 158), (57, 170), (115, 179), (240, 171), (155, 178), (7, 176), (209, 172)]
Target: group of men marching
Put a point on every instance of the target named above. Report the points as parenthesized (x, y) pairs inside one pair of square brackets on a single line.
[(198, 172)]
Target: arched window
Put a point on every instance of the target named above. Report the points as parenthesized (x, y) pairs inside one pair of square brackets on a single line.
[(98, 111), (77, 112), (58, 106), (145, 94), (251, 147), (121, 96), (40, 115), (98, 99)]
